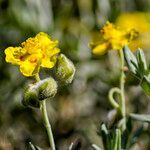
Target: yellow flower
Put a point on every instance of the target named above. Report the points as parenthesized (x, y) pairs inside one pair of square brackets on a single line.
[(113, 38), (33, 53), (140, 21)]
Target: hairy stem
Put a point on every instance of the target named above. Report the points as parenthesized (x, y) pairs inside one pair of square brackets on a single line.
[(46, 120), (111, 97), (47, 124), (122, 82)]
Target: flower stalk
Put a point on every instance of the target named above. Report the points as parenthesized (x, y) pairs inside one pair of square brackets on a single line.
[(47, 124), (122, 82), (111, 98), (45, 119), (120, 107)]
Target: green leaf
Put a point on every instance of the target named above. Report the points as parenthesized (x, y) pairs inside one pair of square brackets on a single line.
[(142, 66), (141, 117), (33, 147), (95, 147), (117, 140), (106, 137), (126, 135), (136, 135), (145, 84), (77, 144), (130, 60)]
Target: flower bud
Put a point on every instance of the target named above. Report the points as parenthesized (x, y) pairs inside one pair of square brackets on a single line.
[(39, 91), (46, 88), (65, 69), (31, 96)]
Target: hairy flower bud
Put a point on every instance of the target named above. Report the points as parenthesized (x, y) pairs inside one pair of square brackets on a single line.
[(41, 90), (46, 88), (65, 69), (31, 96)]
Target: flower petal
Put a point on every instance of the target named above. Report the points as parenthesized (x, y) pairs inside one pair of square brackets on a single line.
[(101, 49), (48, 63), (13, 55), (52, 52), (29, 69), (31, 45), (45, 41)]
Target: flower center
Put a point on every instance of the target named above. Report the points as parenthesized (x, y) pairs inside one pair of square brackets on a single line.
[(21, 58), (33, 60)]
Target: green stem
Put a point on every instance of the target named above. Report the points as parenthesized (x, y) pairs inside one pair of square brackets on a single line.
[(46, 120), (122, 82), (47, 124), (111, 98), (37, 77)]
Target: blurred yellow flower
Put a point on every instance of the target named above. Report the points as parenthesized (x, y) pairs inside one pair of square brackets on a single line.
[(33, 53), (112, 38), (140, 21)]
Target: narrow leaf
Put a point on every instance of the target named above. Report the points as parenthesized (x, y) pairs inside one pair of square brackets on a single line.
[(95, 147), (141, 61), (33, 147), (142, 117), (130, 60), (117, 140), (145, 84), (105, 137)]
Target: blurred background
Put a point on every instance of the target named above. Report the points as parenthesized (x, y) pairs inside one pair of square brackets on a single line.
[(78, 109)]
